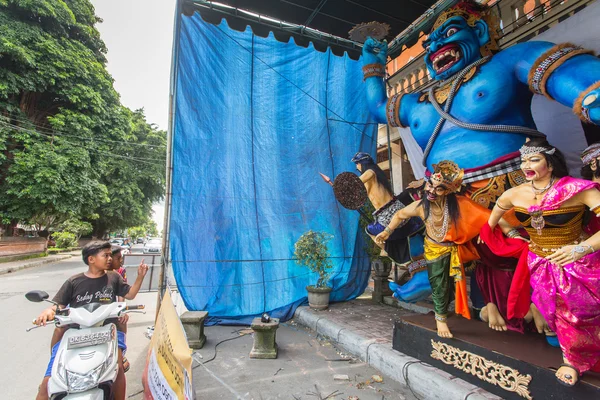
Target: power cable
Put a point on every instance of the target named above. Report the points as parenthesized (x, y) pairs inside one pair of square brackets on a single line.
[(66, 133), (217, 345), (405, 375), (20, 128)]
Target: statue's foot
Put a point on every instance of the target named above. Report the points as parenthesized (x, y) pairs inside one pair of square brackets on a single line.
[(493, 317), (567, 374), (529, 316), (443, 330), (538, 319), (416, 289)]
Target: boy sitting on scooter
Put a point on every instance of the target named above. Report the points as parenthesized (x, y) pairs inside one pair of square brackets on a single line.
[(97, 285)]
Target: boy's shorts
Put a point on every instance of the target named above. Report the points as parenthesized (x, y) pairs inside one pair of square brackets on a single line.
[(121, 344)]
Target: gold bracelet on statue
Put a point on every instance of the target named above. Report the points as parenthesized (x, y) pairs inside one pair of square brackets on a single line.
[(392, 110), (375, 69), (548, 62), (513, 233)]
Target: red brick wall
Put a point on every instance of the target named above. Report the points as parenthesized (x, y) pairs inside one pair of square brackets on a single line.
[(14, 246)]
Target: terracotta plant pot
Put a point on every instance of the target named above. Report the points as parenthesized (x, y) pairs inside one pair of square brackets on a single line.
[(318, 298)]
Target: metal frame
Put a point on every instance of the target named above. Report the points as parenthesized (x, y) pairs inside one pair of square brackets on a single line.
[(300, 30), (166, 251)]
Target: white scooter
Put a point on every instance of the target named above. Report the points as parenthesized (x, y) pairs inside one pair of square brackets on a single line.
[(86, 362)]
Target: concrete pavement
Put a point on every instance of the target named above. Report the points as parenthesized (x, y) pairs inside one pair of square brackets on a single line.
[(365, 329), (306, 368)]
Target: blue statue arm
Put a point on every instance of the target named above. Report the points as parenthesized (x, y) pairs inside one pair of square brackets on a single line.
[(375, 52), (571, 79)]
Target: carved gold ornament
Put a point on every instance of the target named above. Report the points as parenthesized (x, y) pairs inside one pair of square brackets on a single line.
[(441, 94), (507, 378)]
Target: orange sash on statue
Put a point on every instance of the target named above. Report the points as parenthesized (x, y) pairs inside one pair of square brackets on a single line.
[(471, 218)]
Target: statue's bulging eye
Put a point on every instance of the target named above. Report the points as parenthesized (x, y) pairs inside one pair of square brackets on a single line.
[(451, 32)]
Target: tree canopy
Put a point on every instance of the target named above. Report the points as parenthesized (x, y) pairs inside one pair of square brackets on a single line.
[(70, 150)]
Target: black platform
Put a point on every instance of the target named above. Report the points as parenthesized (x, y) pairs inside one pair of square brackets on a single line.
[(524, 363)]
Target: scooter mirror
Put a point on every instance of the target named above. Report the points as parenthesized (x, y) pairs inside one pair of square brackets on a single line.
[(36, 296)]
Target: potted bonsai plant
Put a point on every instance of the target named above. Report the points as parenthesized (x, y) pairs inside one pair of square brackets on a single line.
[(312, 252)]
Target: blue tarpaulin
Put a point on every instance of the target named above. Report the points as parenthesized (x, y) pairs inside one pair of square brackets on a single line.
[(255, 121)]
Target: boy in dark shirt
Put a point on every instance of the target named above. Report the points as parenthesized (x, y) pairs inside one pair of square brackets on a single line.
[(97, 285)]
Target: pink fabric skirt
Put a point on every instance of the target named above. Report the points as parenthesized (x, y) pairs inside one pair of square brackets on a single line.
[(569, 299)]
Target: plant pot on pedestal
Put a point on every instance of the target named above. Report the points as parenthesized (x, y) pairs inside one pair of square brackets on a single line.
[(311, 251), (318, 297)]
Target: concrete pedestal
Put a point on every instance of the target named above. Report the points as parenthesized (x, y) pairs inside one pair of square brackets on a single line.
[(264, 338), (381, 289), (193, 325)]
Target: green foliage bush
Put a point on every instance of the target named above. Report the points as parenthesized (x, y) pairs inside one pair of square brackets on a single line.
[(64, 240), (311, 251)]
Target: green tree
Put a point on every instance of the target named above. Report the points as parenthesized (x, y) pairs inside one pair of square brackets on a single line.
[(77, 227), (52, 80), (69, 149), (136, 232), (64, 240), (135, 183), (151, 228)]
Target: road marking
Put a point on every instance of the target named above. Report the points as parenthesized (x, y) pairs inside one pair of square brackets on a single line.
[(225, 385)]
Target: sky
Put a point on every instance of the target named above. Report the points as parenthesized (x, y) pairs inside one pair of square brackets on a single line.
[(139, 36)]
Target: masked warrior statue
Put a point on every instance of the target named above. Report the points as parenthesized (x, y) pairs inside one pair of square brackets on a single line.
[(451, 224)]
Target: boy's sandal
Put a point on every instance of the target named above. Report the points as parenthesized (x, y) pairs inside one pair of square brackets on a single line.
[(569, 376), (126, 364)]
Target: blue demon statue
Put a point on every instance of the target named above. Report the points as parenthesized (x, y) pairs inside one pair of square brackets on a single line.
[(479, 113)]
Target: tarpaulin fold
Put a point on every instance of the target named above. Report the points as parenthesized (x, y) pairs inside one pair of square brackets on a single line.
[(255, 121)]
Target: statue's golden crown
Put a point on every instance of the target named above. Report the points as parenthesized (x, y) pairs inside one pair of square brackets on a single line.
[(470, 11), (449, 174)]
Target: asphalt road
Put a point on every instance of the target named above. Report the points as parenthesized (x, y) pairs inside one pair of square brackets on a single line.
[(24, 356), (137, 249)]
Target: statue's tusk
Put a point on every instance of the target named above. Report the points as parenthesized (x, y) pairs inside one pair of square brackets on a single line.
[(589, 100)]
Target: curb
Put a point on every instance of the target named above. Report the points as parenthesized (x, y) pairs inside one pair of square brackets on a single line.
[(33, 264), (424, 380)]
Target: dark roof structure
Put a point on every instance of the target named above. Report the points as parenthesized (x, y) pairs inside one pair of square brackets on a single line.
[(326, 23)]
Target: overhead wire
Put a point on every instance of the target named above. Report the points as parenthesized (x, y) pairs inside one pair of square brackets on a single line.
[(69, 134), (48, 136)]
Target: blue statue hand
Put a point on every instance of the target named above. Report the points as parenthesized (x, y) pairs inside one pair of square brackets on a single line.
[(374, 52), (591, 102)]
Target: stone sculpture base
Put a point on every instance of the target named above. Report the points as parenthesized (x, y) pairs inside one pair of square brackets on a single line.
[(193, 325), (265, 345)]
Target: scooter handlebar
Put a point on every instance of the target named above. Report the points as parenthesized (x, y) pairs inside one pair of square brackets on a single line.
[(134, 307)]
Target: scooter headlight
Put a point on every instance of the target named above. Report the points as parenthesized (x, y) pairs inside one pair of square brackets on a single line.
[(80, 383)]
